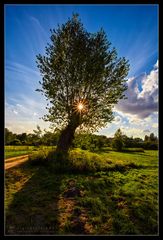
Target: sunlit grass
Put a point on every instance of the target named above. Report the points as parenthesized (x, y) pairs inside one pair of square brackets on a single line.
[(14, 151), (118, 193)]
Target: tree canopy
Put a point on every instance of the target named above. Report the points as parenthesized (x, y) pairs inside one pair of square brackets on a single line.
[(80, 67), (82, 78)]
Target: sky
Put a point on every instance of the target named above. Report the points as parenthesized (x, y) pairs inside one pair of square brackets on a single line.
[(132, 30)]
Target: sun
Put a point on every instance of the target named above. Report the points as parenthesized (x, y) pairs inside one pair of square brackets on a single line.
[(80, 106)]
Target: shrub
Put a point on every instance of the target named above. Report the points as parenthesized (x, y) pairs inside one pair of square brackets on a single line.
[(133, 150), (15, 142), (39, 158)]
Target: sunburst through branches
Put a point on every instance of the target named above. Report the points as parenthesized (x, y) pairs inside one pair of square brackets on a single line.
[(80, 106)]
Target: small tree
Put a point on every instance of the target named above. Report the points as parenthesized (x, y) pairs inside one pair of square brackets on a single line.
[(82, 78), (118, 140)]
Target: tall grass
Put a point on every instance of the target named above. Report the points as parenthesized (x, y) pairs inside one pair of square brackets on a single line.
[(81, 161)]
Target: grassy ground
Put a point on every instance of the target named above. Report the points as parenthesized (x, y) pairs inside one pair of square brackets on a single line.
[(14, 151), (104, 193)]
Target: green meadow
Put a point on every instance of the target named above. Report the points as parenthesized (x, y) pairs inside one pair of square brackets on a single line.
[(15, 151), (102, 193)]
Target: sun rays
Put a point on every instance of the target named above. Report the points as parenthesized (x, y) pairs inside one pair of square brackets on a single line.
[(80, 106)]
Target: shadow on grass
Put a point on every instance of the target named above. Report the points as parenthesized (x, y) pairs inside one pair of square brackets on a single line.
[(34, 207), (130, 151), (99, 151)]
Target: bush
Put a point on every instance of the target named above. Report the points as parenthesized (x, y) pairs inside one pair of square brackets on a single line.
[(133, 150), (39, 158), (49, 158), (78, 161), (16, 142), (150, 146)]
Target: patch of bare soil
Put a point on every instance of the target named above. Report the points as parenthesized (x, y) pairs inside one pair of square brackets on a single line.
[(76, 218), (12, 162)]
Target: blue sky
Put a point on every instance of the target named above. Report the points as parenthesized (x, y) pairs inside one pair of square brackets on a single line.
[(132, 30)]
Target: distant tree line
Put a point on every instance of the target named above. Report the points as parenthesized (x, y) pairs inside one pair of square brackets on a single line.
[(38, 137), (121, 141), (90, 142)]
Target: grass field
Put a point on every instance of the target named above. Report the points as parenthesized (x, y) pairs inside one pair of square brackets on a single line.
[(95, 193), (14, 151)]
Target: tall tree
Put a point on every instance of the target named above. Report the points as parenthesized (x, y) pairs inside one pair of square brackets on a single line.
[(82, 78)]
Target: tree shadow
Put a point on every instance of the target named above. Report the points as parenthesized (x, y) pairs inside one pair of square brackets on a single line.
[(34, 209), (137, 152), (99, 151)]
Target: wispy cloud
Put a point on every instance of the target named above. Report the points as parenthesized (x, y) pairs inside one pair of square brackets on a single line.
[(39, 27), (20, 79), (20, 68), (24, 116)]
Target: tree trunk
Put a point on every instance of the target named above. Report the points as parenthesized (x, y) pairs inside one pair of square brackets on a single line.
[(67, 136), (65, 139)]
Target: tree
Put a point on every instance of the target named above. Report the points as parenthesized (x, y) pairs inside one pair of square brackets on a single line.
[(82, 79), (22, 137), (146, 138), (153, 138), (38, 132), (16, 142), (151, 142), (118, 140), (50, 138), (9, 136)]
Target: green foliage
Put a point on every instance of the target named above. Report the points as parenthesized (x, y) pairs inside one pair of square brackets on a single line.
[(16, 142), (151, 142), (9, 137), (81, 67), (39, 157), (118, 140), (133, 149), (90, 142), (36, 139), (81, 161), (13, 151), (11, 154)]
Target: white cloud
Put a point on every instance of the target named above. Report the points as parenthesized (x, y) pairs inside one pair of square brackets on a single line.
[(156, 65), (142, 95), (117, 120), (15, 112), (150, 87), (132, 125), (155, 125)]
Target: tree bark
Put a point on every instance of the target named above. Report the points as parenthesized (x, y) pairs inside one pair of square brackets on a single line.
[(67, 136)]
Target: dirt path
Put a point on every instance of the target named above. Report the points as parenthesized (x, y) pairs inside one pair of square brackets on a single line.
[(14, 161)]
